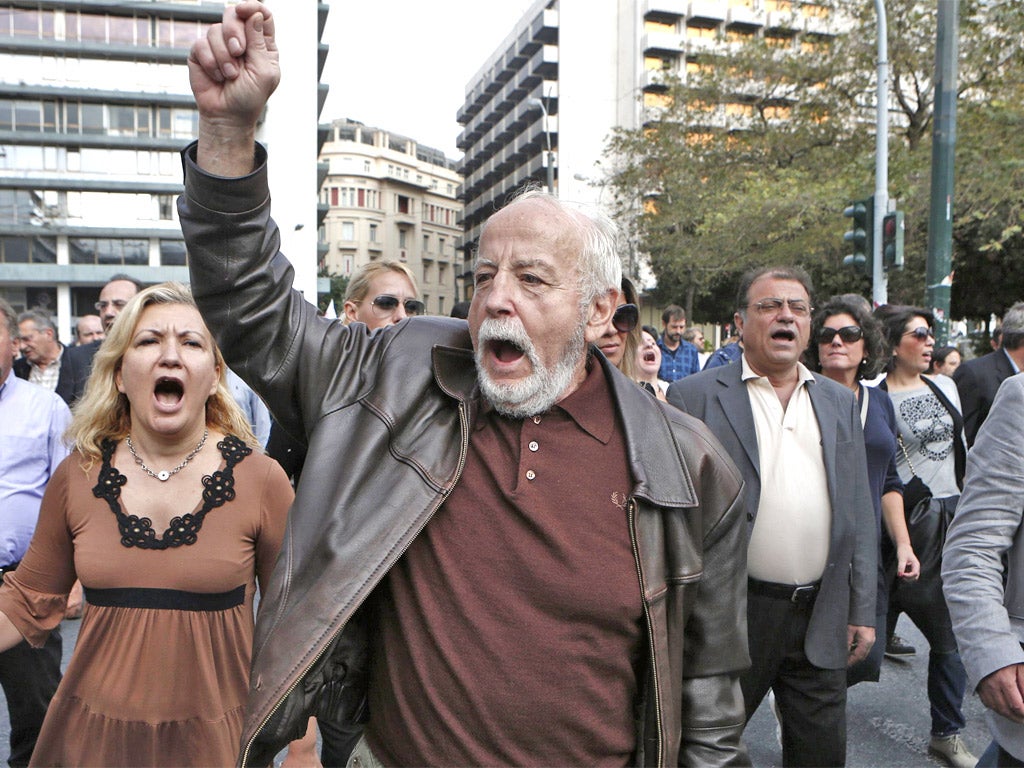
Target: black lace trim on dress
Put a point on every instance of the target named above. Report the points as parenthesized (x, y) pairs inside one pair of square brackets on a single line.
[(218, 489)]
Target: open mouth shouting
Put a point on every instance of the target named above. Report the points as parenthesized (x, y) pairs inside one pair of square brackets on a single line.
[(168, 392)]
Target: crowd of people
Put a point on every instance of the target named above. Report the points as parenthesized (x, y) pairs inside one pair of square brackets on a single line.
[(545, 534)]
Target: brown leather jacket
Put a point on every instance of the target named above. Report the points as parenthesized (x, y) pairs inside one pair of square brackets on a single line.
[(387, 418)]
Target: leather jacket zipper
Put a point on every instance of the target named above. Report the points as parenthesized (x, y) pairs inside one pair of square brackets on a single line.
[(650, 629), (464, 426)]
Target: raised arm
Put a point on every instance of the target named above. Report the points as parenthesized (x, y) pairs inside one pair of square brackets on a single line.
[(233, 71)]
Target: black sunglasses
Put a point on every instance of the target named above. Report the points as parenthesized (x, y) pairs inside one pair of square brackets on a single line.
[(921, 333), (626, 318), (385, 304), (848, 334)]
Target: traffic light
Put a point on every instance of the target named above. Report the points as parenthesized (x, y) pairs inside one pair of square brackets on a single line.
[(892, 240), (859, 235)]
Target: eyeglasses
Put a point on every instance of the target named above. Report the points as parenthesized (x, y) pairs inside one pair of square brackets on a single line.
[(386, 304), (117, 304), (626, 318), (766, 307), (921, 333), (848, 334)]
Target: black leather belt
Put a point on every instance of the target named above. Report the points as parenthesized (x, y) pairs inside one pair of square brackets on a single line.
[(801, 594)]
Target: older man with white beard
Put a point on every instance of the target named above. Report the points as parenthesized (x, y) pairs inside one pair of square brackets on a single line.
[(501, 550)]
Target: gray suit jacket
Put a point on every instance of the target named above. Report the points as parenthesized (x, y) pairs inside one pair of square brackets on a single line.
[(988, 619), (718, 397)]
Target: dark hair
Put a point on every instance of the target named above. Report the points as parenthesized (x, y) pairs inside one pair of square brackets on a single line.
[(875, 350), (1012, 328), (126, 278), (939, 355), (650, 330), (779, 273), (672, 312), (894, 319), (460, 309), (629, 291)]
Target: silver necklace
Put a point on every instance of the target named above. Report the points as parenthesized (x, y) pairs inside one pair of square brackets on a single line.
[(165, 474)]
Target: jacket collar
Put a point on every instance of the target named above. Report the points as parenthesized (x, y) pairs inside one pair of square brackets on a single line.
[(655, 460)]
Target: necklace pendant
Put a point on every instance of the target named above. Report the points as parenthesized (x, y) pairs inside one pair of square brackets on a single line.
[(163, 475)]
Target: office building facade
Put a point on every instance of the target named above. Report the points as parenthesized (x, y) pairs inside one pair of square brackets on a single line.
[(391, 198)]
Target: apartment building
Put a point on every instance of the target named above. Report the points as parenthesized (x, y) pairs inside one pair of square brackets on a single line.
[(572, 70), (391, 198), (94, 108)]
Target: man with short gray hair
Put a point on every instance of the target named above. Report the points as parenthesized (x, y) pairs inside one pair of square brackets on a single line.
[(42, 354), (978, 380), (456, 581)]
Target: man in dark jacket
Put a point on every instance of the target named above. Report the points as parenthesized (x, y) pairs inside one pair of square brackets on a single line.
[(978, 380), (520, 557)]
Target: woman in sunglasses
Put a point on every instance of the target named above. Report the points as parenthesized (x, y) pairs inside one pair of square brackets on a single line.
[(930, 459), (620, 339), (382, 293), (847, 346)]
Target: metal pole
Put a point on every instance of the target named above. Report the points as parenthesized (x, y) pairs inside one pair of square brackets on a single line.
[(542, 103), (939, 272), (879, 282)]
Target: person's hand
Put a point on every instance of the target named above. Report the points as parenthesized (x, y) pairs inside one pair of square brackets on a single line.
[(75, 604), (302, 752), (908, 566), (858, 642), (1001, 692), (235, 68)]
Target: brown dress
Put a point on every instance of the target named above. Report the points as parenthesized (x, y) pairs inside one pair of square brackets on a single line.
[(160, 672)]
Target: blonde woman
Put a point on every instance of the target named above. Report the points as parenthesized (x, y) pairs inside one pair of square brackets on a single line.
[(169, 515)]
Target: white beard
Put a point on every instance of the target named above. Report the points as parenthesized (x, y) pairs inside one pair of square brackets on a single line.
[(544, 386)]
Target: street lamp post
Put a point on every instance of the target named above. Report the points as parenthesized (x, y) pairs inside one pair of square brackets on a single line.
[(535, 102)]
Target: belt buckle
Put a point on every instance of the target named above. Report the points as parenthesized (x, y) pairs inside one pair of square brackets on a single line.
[(800, 594)]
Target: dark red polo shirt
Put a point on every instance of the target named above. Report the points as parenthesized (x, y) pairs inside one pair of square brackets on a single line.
[(509, 632)]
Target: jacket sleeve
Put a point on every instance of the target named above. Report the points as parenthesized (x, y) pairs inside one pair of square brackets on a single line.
[(712, 711), (983, 537), (269, 334), (970, 401), (864, 576)]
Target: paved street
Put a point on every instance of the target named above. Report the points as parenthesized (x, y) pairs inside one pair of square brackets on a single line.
[(887, 722)]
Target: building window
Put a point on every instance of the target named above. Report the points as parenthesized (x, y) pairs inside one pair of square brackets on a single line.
[(440, 245), (426, 243), (89, 250), (404, 204), (172, 253), (402, 238), (348, 231), (28, 250), (373, 233)]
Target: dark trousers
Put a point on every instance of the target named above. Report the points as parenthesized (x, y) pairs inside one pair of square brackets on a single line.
[(811, 700), (338, 741), (925, 605), (29, 678)]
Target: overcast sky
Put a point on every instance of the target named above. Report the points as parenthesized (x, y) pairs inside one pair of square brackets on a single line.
[(403, 65)]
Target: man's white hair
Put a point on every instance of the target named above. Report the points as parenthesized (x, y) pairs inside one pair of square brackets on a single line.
[(598, 267)]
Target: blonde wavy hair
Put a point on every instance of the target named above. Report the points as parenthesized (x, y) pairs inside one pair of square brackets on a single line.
[(105, 413)]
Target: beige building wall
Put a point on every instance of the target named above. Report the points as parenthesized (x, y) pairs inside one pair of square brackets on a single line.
[(390, 198)]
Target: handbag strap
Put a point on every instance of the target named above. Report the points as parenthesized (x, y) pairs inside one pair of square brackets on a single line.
[(864, 406), (899, 439)]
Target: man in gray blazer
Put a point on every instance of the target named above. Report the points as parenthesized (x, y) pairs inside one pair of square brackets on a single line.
[(812, 564), (983, 573)]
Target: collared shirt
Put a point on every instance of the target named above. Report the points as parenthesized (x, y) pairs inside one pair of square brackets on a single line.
[(789, 543), (678, 363), (527, 565), (32, 425), (48, 376), (253, 408), (1016, 368)]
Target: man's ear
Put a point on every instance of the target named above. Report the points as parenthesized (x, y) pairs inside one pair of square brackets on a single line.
[(600, 315), (738, 319)]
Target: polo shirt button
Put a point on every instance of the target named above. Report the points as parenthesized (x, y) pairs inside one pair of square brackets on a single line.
[(530, 474), (534, 445)]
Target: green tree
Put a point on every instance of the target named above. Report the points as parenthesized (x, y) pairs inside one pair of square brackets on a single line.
[(751, 160), (339, 284)]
